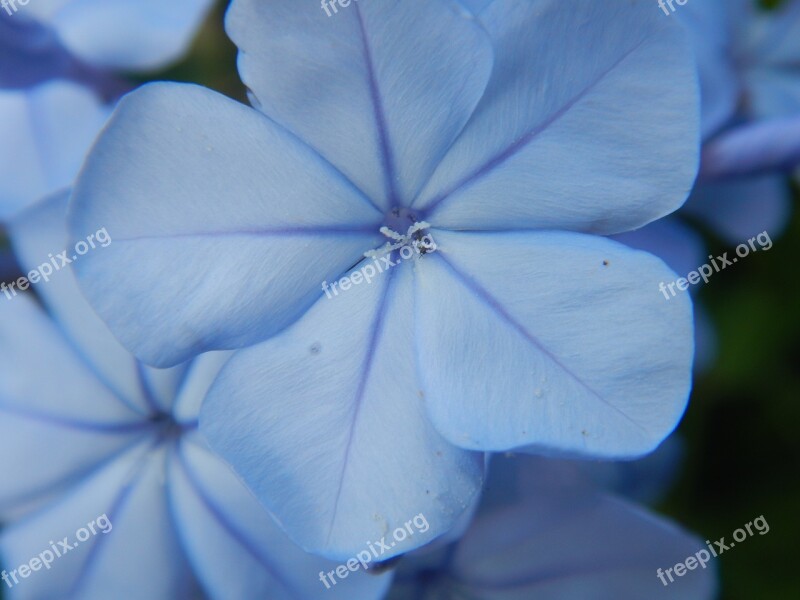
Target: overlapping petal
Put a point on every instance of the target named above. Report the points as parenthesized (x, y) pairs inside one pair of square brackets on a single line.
[(381, 89), (129, 492), (344, 377), (760, 148), (29, 53), (711, 26), (559, 342), (236, 548), (743, 207), (39, 234), (121, 34), (251, 219), (609, 148), (575, 542), (46, 132)]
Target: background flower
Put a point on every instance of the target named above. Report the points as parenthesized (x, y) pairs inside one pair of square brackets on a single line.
[(105, 435)]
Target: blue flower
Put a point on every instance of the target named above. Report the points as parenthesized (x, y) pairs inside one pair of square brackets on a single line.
[(544, 531), (47, 123), (88, 431), (684, 250), (30, 53), (750, 89), (45, 134), (511, 143), (77, 38)]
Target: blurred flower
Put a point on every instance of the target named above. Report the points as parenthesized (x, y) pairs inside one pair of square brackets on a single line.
[(49, 49), (80, 39), (86, 430), (525, 328), (750, 88), (544, 531), (45, 133)]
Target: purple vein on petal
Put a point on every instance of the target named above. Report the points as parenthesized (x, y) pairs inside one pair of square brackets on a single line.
[(387, 155), (527, 138), (376, 329), (366, 230), (136, 473), (227, 525), (68, 423), (490, 301)]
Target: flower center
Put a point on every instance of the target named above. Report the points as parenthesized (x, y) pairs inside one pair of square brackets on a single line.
[(403, 229)]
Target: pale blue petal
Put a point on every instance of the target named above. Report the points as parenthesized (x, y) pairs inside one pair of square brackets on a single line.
[(161, 386), (327, 424), (683, 250), (646, 480), (738, 209), (754, 149), (39, 234), (143, 535), (45, 134), (46, 454), (124, 34), (200, 374), (130, 493), (569, 541), (711, 25), (42, 375), (236, 548), (772, 93), (381, 89), (679, 246), (560, 342), (476, 6), (30, 53), (223, 224), (609, 148)]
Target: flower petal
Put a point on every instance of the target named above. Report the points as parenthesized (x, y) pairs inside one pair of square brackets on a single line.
[(393, 82), (38, 234), (755, 149), (557, 341), (42, 375), (223, 224), (740, 208), (124, 35), (37, 470), (312, 421), (45, 134), (130, 493), (548, 546), (236, 548), (29, 53), (711, 26), (679, 246), (609, 148)]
